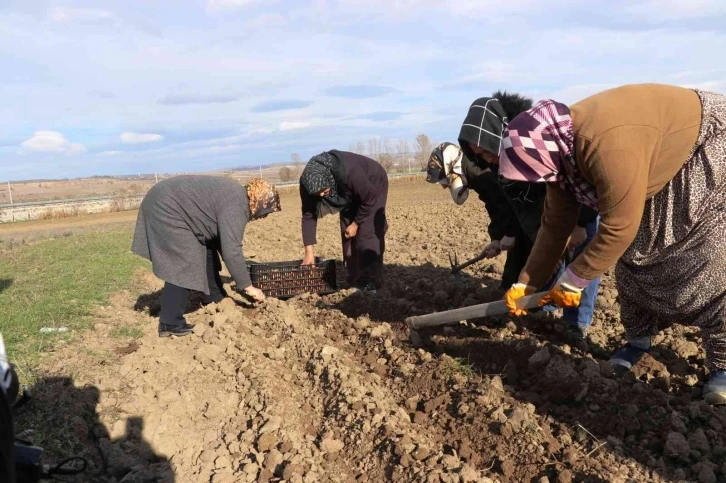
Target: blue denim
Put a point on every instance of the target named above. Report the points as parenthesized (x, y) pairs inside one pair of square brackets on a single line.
[(582, 315)]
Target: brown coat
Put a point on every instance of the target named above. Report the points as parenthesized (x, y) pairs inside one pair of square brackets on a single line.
[(629, 143)]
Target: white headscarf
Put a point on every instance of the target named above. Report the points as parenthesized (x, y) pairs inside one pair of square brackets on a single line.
[(456, 181), (444, 167)]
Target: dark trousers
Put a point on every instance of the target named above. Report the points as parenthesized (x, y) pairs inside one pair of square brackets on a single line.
[(7, 438), (174, 298), (363, 254)]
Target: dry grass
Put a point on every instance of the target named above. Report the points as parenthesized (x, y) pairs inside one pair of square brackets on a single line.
[(57, 213), (124, 204)]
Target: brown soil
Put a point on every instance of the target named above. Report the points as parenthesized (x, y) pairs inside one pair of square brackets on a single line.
[(332, 389)]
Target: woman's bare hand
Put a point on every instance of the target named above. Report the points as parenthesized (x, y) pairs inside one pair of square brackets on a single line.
[(352, 230), (255, 293)]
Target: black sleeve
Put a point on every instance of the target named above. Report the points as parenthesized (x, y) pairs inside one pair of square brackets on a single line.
[(503, 221), (587, 215), (527, 202), (363, 192)]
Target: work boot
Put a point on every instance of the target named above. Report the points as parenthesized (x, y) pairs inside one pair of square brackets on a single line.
[(627, 356), (714, 392), (176, 330), (577, 332)]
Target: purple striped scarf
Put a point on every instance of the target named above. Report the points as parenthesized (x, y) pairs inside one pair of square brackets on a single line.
[(538, 148)]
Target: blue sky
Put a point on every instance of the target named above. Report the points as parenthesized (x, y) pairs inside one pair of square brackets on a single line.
[(120, 87)]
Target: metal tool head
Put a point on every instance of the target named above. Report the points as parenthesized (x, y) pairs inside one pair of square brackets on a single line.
[(454, 262), (455, 269)]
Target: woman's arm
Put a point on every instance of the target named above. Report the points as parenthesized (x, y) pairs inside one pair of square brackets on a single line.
[(502, 219), (309, 224), (363, 192), (561, 210), (618, 165), (232, 222)]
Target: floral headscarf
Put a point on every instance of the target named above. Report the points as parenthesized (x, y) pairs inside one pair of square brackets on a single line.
[(264, 198)]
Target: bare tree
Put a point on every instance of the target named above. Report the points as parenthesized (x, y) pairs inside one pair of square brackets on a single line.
[(285, 174), (296, 166), (403, 152), (358, 148), (374, 148), (423, 150), (387, 161)]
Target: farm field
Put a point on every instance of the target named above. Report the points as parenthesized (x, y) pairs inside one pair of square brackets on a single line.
[(332, 388), (41, 190)]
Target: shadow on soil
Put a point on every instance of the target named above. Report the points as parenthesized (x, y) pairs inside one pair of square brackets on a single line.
[(5, 284), (63, 420), (633, 415), (151, 302), (418, 290)]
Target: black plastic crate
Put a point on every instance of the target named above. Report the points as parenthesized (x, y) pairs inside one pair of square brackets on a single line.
[(287, 279)]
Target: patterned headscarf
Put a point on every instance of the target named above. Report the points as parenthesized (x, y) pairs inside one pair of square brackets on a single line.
[(264, 198), (483, 127), (325, 171), (445, 167), (538, 146)]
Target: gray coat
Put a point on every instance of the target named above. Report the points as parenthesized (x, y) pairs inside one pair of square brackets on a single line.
[(181, 217)]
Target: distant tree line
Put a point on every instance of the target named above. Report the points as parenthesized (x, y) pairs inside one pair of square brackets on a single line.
[(394, 155)]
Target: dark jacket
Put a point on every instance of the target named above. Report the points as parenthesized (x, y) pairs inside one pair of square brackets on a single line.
[(363, 180), (180, 217), (503, 221)]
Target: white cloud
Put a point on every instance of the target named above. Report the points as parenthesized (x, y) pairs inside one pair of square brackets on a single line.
[(578, 92), (68, 14), (76, 148), (217, 5), (654, 11), (140, 138), (268, 20), (51, 142), (490, 10), (292, 125), (110, 153), (490, 71), (713, 86)]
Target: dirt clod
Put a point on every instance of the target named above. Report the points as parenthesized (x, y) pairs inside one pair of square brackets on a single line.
[(676, 446)]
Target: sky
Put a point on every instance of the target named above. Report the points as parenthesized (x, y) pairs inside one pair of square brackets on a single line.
[(115, 87)]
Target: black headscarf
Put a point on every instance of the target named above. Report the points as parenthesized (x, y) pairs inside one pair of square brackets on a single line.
[(483, 126), (326, 171)]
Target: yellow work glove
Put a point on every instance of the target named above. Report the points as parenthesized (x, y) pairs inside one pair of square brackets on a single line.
[(566, 293), (516, 292)]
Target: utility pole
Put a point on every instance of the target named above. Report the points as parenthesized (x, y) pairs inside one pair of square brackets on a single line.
[(260, 171), (157, 177), (10, 192)]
